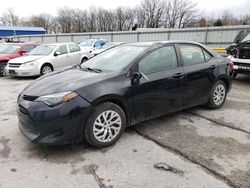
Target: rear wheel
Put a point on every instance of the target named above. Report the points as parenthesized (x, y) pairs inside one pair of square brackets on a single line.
[(46, 69), (2, 66), (218, 95), (105, 125)]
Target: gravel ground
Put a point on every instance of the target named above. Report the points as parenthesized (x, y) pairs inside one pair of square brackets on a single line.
[(197, 147)]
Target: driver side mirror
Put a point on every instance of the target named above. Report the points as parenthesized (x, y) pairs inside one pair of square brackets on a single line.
[(57, 53), (137, 76)]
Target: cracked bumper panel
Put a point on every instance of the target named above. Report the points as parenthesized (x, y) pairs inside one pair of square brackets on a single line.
[(58, 125)]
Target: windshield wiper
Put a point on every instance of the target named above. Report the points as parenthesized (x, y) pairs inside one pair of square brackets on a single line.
[(91, 69)]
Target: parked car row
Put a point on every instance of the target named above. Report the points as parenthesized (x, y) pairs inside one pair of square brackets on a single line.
[(39, 59)]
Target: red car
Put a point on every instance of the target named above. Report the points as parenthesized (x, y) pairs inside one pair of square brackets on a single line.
[(10, 51)]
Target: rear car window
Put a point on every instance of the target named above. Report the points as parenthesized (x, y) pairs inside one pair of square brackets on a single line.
[(73, 48), (192, 54)]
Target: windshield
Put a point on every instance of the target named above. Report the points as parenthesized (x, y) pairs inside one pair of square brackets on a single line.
[(114, 59), (42, 50), (86, 43), (9, 49)]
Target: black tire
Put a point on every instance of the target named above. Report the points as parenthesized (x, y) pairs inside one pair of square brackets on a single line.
[(44, 67), (84, 59), (89, 128), (2, 66), (212, 102)]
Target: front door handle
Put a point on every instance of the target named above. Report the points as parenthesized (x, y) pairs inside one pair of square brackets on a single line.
[(178, 75)]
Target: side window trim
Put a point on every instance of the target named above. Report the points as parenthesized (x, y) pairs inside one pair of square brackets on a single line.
[(195, 45)]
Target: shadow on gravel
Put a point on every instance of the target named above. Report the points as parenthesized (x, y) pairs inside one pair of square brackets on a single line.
[(72, 153)]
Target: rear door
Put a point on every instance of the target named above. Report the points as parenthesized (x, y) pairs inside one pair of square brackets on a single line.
[(199, 67), (74, 54), (163, 91)]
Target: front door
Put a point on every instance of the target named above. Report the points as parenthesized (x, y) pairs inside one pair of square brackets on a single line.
[(61, 60), (160, 90)]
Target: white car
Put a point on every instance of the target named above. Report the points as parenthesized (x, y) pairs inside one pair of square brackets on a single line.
[(46, 58), (91, 45)]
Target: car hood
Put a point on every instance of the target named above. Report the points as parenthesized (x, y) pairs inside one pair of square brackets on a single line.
[(25, 59), (67, 80), (7, 57)]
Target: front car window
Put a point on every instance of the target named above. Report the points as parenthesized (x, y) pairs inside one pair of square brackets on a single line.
[(159, 60), (115, 59), (9, 49), (97, 44), (42, 50), (191, 54)]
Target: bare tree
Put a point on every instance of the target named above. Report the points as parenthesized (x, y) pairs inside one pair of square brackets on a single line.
[(43, 20), (65, 20), (150, 13), (9, 18), (180, 13), (227, 18)]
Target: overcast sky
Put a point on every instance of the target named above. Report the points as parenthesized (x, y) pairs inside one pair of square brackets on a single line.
[(25, 8)]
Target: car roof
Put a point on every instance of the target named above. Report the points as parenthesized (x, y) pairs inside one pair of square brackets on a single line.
[(157, 43)]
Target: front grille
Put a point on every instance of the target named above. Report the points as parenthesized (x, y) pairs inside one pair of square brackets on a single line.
[(15, 65), (29, 98)]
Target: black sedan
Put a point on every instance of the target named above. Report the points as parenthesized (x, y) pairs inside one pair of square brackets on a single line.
[(125, 85)]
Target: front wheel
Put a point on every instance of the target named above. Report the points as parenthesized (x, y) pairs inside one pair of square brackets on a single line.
[(105, 125), (46, 69), (218, 95)]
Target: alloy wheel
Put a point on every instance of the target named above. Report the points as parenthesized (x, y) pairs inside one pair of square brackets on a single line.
[(219, 94), (107, 126), (46, 70)]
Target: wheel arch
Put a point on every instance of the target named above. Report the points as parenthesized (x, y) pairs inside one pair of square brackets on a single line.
[(226, 80), (84, 57), (116, 99), (47, 63)]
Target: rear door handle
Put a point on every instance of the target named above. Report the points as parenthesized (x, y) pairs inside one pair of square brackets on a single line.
[(212, 67), (178, 75)]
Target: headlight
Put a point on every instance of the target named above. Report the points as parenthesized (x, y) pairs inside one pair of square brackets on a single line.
[(57, 98), (28, 64)]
